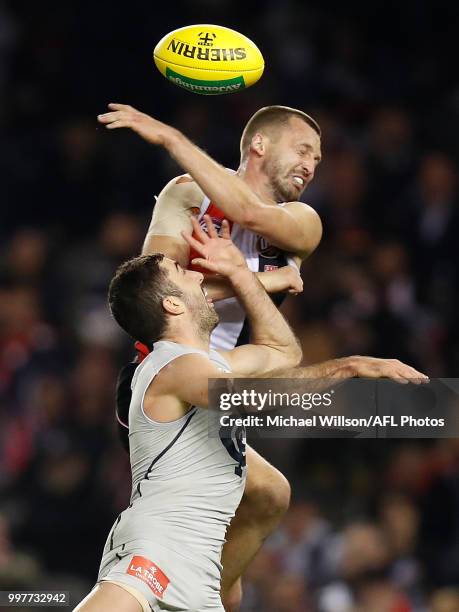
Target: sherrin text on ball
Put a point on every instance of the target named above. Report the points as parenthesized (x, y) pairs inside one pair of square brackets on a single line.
[(209, 59)]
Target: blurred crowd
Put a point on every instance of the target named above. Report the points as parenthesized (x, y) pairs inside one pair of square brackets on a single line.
[(374, 525)]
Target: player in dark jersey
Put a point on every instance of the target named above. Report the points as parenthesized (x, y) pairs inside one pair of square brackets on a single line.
[(280, 149)]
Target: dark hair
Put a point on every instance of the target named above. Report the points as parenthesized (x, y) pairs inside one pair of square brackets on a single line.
[(272, 117), (136, 294)]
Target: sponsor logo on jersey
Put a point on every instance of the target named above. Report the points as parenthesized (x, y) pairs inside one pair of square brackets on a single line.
[(270, 268), (150, 573), (217, 221), (217, 217), (267, 250), (213, 55)]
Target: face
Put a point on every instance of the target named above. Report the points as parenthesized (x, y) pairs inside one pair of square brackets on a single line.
[(290, 160), (198, 304)]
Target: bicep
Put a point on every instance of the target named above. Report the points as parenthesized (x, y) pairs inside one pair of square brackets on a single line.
[(187, 378), (253, 360)]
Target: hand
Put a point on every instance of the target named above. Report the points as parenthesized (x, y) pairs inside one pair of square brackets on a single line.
[(219, 254), (294, 282), (124, 116), (371, 367)]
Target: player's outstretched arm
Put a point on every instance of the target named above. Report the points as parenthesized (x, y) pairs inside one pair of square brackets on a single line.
[(322, 376), (295, 227), (167, 393)]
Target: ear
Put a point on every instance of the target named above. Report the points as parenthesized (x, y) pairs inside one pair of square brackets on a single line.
[(258, 144), (173, 305)]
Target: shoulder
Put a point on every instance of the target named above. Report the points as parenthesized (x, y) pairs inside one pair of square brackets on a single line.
[(183, 367)]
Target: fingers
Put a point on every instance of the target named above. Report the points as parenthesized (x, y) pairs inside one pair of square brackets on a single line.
[(119, 124), (211, 230), (106, 117), (200, 233), (121, 107), (121, 114), (390, 368), (205, 264), (194, 244), (409, 373), (298, 287), (225, 230), (115, 120), (397, 378)]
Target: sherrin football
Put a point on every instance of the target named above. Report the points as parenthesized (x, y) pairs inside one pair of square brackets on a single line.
[(209, 59)]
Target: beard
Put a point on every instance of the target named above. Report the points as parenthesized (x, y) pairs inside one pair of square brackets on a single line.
[(203, 315), (280, 181)]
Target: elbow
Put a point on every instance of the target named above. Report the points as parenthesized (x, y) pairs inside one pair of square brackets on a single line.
[(295, 355), (312, 236), (298, 354)]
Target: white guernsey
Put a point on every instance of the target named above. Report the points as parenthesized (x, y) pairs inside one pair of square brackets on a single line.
[(187, 481)]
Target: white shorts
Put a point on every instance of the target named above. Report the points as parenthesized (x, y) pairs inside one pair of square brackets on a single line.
[(164, 579)]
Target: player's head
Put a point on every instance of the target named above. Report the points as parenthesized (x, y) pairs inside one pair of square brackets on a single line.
[(286, 143), (152, 298)]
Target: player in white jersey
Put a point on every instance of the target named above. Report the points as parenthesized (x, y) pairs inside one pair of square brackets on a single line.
[(186, 485), (163, 552), (280, 149)]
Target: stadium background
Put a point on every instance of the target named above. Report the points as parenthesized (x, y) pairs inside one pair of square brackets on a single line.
[(374, 525)]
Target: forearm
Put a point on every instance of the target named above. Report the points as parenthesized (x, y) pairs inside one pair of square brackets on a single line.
[(334, 368), (219, 288), (268, 326), (317, 377), (228, 191)]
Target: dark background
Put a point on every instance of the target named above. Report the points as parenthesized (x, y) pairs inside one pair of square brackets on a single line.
[(374, 526)]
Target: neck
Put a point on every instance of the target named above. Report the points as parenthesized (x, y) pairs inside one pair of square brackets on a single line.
[(257, 181), (189, 338)]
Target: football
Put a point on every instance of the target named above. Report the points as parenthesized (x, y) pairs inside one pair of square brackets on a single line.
[(209, 59)]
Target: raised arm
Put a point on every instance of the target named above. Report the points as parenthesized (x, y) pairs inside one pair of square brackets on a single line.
[(294, 227), (176, 204)]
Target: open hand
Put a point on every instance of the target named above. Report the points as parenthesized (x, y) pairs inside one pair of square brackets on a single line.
[(293, 280), (218, 253), (125, 116), (372, 367)]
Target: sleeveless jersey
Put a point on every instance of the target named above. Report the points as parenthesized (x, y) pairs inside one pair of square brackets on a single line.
[(233, 328), (188, 475)]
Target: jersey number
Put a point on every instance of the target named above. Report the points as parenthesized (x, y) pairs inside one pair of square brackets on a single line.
[(233, 439)]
